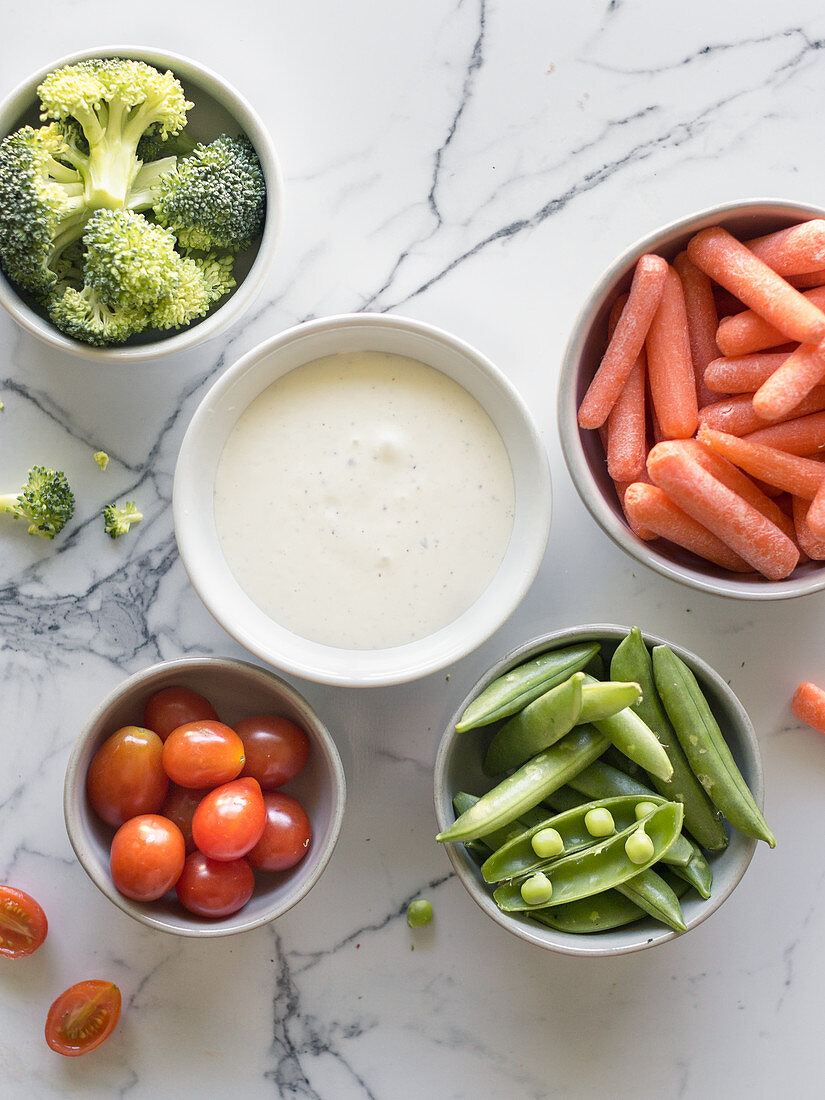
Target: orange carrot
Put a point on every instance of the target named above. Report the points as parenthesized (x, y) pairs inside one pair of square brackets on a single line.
[(743, 373), (808, 704), (805, 435), (748, 331), (813, 547), (653, 508), (734, 415), (626, 343), (726, 260), (627, 427), (799, 476), (780, 394), (638, 529), (739, 525), (796, 250), (816, 514), (702, 322), (669, 363)]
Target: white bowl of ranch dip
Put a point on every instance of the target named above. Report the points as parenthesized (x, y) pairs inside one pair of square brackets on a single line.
[(362, 500)]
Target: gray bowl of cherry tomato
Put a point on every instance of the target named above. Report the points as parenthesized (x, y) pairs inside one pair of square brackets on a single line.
[(204, 796)]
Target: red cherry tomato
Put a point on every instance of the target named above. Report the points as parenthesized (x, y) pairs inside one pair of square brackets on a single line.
[(276, 749), (214, 888), (83, 1017), (147, 857), (23, 924), (230, 820), (179, 806), (286, 837), (175, 706), (203, 754), (126, 775)]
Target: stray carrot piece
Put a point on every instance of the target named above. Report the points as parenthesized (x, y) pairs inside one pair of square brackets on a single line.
[(816, 514), (743, 373), (796, 250), (626, 343), (738, 524), (652, 507), (726, 260), (813, 547), (702, 322), (669, 364), (800, 476), (804, 435), (808, 704), (748, 331), (780, 394)]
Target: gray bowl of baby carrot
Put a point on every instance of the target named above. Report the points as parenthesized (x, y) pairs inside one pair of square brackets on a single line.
[(600, 791), (691, 401)]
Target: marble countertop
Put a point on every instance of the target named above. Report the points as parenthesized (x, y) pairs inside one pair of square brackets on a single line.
[(475, 165)]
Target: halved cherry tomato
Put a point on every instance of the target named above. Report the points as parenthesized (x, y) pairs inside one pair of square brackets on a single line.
[(126, 775), (147, 857), (286, 837), (203, 754), (214, 888), (276, 749), (179, 806), (230, 820), (175, 706), (23, 924), (83, 1017)]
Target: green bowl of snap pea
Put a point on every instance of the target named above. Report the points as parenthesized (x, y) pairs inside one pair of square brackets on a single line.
[(459, 768)]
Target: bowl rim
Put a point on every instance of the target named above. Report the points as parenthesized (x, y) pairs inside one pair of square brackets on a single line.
[(214, 323), (571, 435), (467, 872), (74, 786), (400, 664)]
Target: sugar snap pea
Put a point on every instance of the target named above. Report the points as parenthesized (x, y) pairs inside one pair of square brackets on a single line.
[(604, 698), (632, 661), (538, 726), (705, 746), (636, 740), (696, 872), (509, 693), (652, 894), (598, 913), (526, 820)]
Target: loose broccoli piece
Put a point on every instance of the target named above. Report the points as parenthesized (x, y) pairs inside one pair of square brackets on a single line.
[(102, 459), (216, 197), (115, 102), (117, 521), (46, 500), (42, 205), (84, 316), (129, 261)]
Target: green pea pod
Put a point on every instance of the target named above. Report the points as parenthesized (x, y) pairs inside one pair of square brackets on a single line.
[(509, 693), (696, 873), (652, 894), (603, 865), (542, 723), (525, 788), (636, 740), (463, 801), (598, 913), (632, 661), (705, 747), (603, 699)]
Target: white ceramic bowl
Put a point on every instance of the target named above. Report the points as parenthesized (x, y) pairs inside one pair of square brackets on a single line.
[(458, 768), (237, 690), (583, 451), (242, 383), (219, 108)]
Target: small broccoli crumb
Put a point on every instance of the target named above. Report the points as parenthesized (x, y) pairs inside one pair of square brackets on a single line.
[(117, 521), (102, 459)]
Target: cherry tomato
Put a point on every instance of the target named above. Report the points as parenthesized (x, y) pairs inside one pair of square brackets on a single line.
[(215, 888), (230, 820), (83, 1017), (179, 806), (23, 924), (276, 749), (175, 706), (126, 775), (203, 754), (147, 857), (286, 837)]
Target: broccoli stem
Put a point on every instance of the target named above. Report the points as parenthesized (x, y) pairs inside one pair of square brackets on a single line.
[(113, 161), (9, 503)]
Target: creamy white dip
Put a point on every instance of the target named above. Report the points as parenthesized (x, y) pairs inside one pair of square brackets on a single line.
[(364, 500)]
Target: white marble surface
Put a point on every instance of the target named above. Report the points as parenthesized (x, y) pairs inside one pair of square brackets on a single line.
[(476, 165)]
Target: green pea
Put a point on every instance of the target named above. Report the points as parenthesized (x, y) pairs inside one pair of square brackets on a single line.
[(599, 822), (537, 890), (547, 843), (639, 847), (643, 809), (419, 913)]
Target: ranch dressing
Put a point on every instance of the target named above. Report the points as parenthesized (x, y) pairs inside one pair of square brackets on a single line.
[(364, 500)]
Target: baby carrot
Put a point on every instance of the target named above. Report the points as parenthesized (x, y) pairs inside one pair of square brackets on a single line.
[(800, 476), (738, 524), (653, 508), (808, 704), (726, 260), (702, 322), (640, 531), (742, 373), (816, 514), (627, 427), (804, 435), (780, 394), (749, 331), (669, 363), (734, 415), (792, 251), (626, 343), (812, 546)]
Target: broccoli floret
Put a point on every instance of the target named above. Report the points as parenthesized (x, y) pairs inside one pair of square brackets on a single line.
[(102, 459), (216, 197), (117, 521), (115, 101), (46, 501), (42, 205), (129, 261), (203, 281), (84, 316)]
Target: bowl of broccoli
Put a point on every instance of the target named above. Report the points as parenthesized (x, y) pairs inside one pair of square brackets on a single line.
[(140, 204)]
